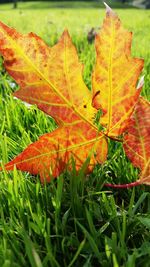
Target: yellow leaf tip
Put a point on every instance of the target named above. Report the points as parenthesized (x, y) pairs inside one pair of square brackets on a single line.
[(109, 11)]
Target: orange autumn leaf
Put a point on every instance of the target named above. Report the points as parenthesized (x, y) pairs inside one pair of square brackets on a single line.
[(51, 78), (115, 75), (137, 139)]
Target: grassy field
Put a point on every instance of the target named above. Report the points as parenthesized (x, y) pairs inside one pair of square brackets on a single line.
[(75, 220)]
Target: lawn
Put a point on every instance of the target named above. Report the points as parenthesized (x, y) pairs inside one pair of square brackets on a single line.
[(75, 220)]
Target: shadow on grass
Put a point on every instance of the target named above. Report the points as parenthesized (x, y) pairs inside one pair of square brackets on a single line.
[(65, 4)]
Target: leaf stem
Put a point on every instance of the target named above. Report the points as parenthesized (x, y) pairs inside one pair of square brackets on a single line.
[(123, 185), (115, 138)]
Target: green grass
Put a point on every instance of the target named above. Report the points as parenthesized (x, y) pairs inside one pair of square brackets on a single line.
[(75, 220)]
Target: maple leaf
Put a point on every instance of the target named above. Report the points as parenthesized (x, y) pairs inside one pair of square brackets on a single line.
[(51, 78), (137, 139), (115, 75)]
